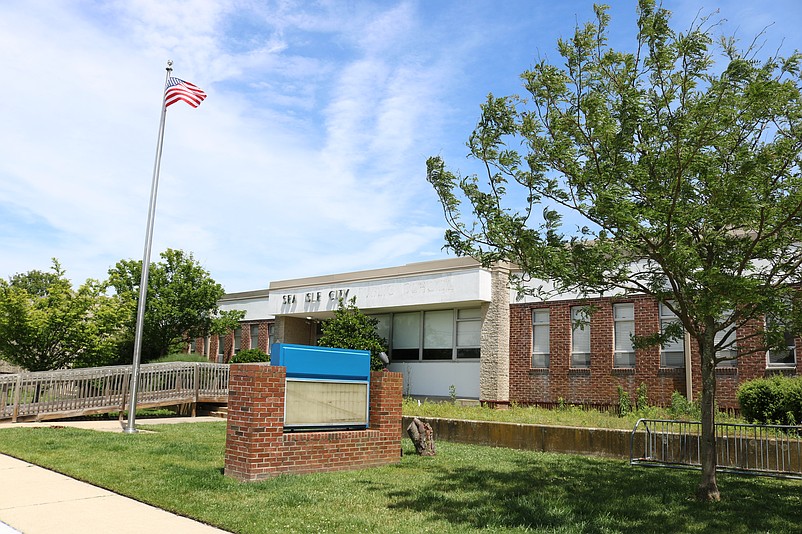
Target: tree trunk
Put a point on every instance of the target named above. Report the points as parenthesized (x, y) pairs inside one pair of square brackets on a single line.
[(421, 435), (708, 488)]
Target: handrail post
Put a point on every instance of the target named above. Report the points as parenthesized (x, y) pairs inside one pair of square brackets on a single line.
[(196, 373), (15, 412)]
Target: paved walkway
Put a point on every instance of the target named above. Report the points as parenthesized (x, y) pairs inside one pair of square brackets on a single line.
[(34, 500)]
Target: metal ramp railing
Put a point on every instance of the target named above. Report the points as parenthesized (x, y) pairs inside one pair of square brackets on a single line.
[(767, 450)]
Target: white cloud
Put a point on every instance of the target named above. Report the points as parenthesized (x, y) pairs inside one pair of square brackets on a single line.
[(308, 157)]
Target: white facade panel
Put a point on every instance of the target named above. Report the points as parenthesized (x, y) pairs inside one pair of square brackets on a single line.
[(441, 289), (435, 379), (255, 309)]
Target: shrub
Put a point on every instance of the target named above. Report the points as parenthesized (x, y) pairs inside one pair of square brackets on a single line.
[(624, 404), (250, 356), (682, 408), (642, 397), (352, 329), (775, 400)]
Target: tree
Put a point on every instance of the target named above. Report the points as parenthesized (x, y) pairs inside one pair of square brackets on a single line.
[(352, 329), (45, 324), (181, 304), (684, 173)]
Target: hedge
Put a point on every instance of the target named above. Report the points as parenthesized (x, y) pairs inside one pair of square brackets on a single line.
[(775, 400)]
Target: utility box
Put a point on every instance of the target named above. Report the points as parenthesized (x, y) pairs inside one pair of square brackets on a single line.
[(326, 388)]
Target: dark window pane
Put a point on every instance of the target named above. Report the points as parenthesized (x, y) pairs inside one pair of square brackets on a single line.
[(399, 355), (437, 354), (468, 353)]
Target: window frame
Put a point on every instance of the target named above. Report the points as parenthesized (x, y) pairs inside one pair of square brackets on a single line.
[(729, 363), (254, 342), (666, 316), (546, 356), (468, 348), (458, 352), (790, 348), (580, 324), (617, 321)]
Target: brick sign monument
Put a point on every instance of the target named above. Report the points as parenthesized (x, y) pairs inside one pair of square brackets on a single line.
[(312, 409)]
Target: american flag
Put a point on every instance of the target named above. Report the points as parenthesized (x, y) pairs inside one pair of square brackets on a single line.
[(178, 89)]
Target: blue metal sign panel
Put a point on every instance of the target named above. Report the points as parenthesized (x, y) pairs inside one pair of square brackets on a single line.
[(322, 363), (326, 387)]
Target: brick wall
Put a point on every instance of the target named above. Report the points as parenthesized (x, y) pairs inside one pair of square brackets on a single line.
[(597, 386), (257, 447), (211, 351)]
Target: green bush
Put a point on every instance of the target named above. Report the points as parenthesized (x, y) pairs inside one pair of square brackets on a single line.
[(624, 404), (775, 400), (250, 356), (642, 397), (352, 329), (681, 408)]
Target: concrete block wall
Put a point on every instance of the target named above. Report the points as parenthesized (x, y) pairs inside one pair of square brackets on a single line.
[(257, 446), (494, 378)]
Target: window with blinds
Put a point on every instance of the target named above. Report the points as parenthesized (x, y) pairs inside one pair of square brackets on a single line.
[(726, 339), (672, 353), (580, 338), (254, 336), (469, 332), (406, 336), (623, 331), (784, 356), (540, 339), (438, 335)]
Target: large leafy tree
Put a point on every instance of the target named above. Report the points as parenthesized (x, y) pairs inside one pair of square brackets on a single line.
[(181, 303), (352, 329), (46, 324), (681, 160)]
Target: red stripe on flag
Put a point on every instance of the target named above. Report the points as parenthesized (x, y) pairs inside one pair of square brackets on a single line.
[(178, 89)]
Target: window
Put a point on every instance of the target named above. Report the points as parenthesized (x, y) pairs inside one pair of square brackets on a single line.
[(730, 351), (406, 336), (540, 338), (432, 335), (271, 337), (254, 336), (438, 335), (469, 333), (193, 348), (785, 357), (383, 326), (623, 330), (672, 353), (237, 340), (580, 338), (221, 348)]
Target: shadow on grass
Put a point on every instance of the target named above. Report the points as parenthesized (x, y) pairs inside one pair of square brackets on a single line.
[(563, 493)]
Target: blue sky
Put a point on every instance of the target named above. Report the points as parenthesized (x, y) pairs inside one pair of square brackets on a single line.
[(308, 156)]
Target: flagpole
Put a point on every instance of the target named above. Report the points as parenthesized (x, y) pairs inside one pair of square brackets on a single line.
[(143, 283)]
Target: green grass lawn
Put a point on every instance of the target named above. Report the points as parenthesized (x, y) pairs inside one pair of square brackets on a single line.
[(463, 489)]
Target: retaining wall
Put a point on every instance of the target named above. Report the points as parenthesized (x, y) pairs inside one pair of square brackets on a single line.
[(610, 443)]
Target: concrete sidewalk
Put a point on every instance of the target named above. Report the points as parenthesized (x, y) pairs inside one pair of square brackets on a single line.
[(34, 500)]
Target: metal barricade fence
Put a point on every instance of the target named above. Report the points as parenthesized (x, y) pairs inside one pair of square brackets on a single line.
[(769, 450)]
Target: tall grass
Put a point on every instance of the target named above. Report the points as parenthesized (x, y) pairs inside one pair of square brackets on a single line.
[(567, 415)]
